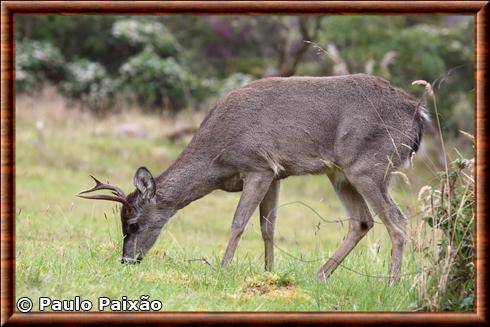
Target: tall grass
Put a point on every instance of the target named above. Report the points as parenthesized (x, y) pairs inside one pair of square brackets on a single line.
[(447, 277)]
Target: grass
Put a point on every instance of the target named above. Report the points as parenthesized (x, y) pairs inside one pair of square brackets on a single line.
[(66, 246)]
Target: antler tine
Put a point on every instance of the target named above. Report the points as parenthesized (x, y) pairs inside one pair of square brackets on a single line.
[(96, 180), (104, 197), (118, 194), (102, 186)]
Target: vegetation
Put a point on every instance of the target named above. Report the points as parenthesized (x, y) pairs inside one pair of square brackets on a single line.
[(81, 81), (172, 63), (447, 281)]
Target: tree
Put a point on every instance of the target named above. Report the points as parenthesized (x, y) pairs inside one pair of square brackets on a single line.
[(281, 41)]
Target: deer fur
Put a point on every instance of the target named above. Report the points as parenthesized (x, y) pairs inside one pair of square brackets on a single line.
[(356, 129)]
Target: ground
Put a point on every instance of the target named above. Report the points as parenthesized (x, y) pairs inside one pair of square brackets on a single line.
[(67, 246)]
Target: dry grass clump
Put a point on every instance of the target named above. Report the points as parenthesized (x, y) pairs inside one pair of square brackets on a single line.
[(447, 279)]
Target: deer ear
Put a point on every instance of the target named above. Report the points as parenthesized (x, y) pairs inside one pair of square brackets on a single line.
[(144, 183)]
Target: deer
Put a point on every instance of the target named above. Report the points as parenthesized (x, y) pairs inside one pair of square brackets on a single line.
[(355, 129)]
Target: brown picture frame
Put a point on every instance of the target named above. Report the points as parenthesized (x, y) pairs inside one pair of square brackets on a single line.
[(10, 9)]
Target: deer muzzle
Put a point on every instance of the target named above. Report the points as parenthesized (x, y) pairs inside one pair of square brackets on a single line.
[(131, 261)]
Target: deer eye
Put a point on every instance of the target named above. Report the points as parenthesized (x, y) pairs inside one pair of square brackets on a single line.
[(133, 227)]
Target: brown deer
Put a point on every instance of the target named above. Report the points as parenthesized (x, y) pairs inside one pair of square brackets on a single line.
[(356, 129)]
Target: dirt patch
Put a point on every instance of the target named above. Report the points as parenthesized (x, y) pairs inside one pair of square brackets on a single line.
[(266, 283), (274, 286)]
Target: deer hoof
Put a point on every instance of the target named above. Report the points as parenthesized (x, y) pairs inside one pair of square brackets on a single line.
[(225, 263), (394, 281), (322, 276)]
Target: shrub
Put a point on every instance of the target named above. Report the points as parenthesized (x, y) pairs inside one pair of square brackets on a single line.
[(140, 32), (88, 83), (37, 63), (447, 280), (155, 81), (202, 90)]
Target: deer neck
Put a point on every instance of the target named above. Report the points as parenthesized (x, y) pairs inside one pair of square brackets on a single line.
[(186, 180)]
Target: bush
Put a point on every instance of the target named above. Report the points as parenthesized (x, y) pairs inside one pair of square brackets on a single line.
[(155, 81), (447, 281), (202, 90), (37, 63), (141, 33), (88, 83)]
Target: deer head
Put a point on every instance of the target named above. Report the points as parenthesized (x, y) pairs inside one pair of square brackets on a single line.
[(142, 217)]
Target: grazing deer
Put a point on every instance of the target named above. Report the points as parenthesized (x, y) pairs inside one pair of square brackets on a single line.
[(356, 129)]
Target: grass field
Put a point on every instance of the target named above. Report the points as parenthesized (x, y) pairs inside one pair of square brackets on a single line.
[(66, 246)]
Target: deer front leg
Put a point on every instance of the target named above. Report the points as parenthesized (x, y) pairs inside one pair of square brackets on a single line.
[(268, 211), (255, 186)]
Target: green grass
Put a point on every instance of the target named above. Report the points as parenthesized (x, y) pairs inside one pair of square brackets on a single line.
[(66, 246)]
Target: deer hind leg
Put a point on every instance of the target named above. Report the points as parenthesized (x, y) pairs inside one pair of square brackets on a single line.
[(255, 187), (375, 191), (268, 212), (360, 222)]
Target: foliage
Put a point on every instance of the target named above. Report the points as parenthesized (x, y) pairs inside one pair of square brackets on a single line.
[(78, 37), (36, 63), (202, 91), (141, 33), (448, 279), (89, 83), (217, 46), (417, 47), (407, 50), (207, 51), (360, 39), (138, 58), (155, 81)]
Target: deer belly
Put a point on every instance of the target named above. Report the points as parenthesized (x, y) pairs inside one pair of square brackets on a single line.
[(232, 184)]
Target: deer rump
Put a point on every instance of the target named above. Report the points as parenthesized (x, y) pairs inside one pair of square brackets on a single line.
[(310, 125)]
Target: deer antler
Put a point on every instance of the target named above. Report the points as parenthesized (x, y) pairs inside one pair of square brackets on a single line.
[(118, 194)]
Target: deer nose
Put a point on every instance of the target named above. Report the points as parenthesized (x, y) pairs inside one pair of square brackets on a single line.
[(131, 261)]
